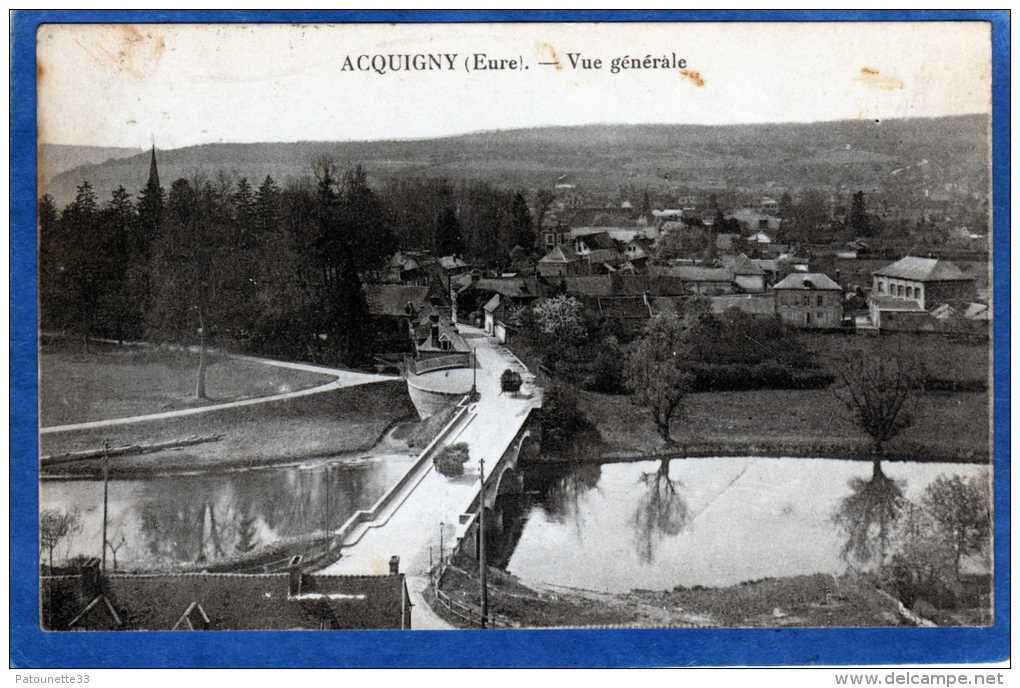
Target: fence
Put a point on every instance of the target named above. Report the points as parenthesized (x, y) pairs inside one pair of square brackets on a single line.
[(467, 613)]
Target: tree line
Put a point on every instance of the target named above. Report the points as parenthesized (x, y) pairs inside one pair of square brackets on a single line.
[(272, 269)]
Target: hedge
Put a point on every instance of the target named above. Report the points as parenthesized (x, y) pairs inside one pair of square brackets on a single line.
[(768, 375)]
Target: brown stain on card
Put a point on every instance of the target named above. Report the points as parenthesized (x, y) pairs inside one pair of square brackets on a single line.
[(869, 76), (692, 75), (547, 53), (127, 49), (41, 170)]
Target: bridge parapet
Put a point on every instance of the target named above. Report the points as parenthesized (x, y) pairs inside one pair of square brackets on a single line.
[(420, 366), (360, 521)]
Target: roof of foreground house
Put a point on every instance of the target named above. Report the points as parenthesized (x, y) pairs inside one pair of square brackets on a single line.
[(227, 601)]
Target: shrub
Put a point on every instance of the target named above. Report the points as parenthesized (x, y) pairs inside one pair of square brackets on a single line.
[(767, 375), (606, 374), (562, 420), (450, 460)]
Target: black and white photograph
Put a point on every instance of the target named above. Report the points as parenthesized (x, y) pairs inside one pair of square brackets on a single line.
[(514, 325)]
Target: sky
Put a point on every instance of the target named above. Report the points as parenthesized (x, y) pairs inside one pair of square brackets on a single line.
[(183, 85)]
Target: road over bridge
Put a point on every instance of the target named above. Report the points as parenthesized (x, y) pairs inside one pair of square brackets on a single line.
[(406, 521)]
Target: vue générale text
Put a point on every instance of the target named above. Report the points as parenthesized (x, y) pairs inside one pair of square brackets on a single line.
[(387, 63)]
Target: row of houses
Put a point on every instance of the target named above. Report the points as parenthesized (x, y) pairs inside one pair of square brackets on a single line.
[(911, 294), (597, 250)]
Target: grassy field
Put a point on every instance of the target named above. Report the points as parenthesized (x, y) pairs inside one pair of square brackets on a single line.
[(949, 426), (336, 422), (811, 423), (116, 382)]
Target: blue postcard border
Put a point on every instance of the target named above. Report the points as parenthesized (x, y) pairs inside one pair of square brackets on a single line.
[(31, 647)]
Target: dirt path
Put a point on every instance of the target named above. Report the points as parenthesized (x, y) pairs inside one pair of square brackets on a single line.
[(422, 616)]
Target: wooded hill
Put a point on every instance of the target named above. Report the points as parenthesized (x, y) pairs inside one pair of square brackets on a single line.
[(602, 157), (57, 158)]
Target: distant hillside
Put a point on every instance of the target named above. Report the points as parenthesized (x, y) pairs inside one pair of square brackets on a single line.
[(56, 158), (601, 156)]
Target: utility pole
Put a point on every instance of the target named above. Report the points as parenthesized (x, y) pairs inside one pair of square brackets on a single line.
[(106, 497), (474, 374), (325, 518), (481, 541), (442, 527)]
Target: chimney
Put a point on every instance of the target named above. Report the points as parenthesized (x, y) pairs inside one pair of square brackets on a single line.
[(394, 565), (90, 584), (434, 329), (838, 281), (294, 576)]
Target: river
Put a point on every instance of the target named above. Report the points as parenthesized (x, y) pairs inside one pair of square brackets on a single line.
[(711, 522), (159, 523)]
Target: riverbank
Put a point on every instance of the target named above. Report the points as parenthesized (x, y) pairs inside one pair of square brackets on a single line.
[(336, 422), (950, 427), (803, 601)]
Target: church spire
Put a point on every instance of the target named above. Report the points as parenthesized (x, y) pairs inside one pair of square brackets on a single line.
[(153, 169)]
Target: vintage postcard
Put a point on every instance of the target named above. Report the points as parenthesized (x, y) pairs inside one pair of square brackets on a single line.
[(514, 325)]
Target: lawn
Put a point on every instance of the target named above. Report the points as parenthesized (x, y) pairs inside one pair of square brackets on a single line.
[(949, 425), (339, 421), (116, 382)]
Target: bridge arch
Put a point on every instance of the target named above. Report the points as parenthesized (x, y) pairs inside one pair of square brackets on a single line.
[(510, 482), (525, 446)]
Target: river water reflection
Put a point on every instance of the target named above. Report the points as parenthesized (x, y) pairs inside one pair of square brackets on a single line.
[(710, 522), (183, 520)]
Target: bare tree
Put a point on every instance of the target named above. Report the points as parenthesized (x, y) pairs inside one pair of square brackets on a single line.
[(54, 526), (880, 393), (115, 546)]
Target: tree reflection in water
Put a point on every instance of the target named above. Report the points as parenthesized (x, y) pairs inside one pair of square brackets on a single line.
[(662, 511), (562, 494), (867, 516), (194, 521), (187, 525)]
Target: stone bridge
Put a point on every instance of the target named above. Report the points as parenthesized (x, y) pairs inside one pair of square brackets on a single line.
[(425, 507)]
